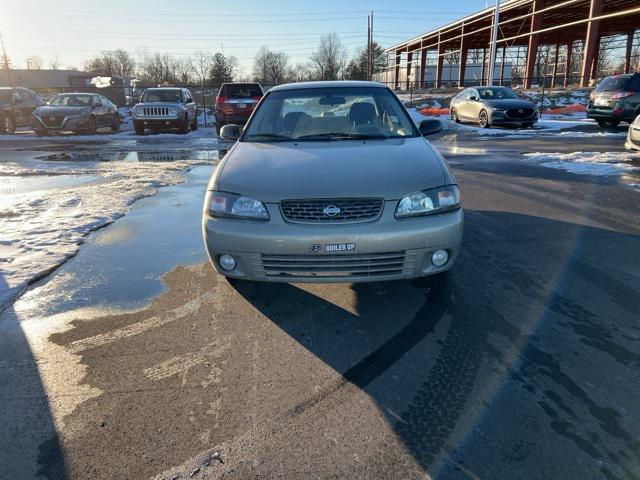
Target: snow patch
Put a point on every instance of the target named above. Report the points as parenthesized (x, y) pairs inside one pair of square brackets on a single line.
[(603, 164)]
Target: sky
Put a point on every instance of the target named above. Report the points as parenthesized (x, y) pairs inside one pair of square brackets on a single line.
[(75, 30)]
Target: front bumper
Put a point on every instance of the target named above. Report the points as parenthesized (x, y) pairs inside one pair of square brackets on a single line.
[(499, 118), (607, 113), (69, 123), (159, 123), (261, 248), (633, 138)]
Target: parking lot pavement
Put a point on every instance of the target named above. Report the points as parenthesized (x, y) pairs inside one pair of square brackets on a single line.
[(135, 360)]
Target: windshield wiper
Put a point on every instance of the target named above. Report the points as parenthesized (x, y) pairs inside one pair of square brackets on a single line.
[(268, 136), (341, 135)]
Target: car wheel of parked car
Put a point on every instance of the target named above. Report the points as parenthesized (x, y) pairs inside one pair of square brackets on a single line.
[(614, 123), (8, 125), (184, 125), (527, 125), (92, 126), (194, 125), (116, 123), (454, 116), (139, 128), (601, 123), (483, 119)]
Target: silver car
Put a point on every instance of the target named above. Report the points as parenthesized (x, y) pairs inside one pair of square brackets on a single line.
[(488, 106), (633, 136), (163, 109), (332, 182)]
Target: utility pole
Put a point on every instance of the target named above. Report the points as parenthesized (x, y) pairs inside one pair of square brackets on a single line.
[(494, 43), (368, 62), (372, 61), (6, 61)]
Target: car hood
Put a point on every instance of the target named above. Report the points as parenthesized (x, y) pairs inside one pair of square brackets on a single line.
[(62, 111), (509, 103), (388, 169)]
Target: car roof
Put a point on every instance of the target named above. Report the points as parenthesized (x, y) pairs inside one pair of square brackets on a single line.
[(77, 93), (166, 88), (328, 84)]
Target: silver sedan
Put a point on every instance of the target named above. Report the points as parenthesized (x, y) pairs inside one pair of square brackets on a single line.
[(332, 182)]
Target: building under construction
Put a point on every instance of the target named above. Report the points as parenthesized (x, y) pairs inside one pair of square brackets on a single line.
[(555, 42)]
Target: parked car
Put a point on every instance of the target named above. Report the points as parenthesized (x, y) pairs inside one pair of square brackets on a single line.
[(76, 112), (165, 108), (332, 182), (633, 135), (16, 106), (488, 106), (235, 103), (616, 99)]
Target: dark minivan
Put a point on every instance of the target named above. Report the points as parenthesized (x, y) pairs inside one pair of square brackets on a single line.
[(616, 99), (235, 103)]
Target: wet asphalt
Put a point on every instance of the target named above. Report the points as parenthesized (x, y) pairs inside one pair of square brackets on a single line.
[(135, 360)]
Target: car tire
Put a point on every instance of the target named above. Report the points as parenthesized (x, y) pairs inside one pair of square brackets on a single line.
[(184, 126), (92, 126), (527, 125), (139, 128), (483, 119), (454, 116), (116, 123), (613, 123), (601, 123), (194, 124), (7, 125)]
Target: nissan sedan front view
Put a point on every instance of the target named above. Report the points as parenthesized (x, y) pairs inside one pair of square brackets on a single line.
[(332, 182)]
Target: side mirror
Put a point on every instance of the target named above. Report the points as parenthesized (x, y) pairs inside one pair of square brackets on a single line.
[(473, 98), (98, 104), (430, 126), (230, 132)]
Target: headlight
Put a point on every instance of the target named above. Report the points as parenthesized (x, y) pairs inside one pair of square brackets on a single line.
[(137, 110), (229, 205), (173, 110), (428, 202)]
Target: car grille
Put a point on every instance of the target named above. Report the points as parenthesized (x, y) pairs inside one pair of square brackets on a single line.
[(332, 210), (346, 265), (155, 111), (519, 112), (55, 123)]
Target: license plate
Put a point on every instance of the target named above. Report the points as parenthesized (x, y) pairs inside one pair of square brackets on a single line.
[(242, 105), (601, 102)]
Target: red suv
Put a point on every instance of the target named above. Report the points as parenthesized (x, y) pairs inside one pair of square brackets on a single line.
[(235, 103)]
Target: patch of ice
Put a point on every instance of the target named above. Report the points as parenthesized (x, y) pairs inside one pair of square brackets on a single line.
[(38, 232)]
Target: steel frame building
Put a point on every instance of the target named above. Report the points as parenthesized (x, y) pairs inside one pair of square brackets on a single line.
[(573, 29)]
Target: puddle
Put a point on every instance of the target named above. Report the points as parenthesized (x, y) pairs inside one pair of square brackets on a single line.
[(14, 185), (130, 156)]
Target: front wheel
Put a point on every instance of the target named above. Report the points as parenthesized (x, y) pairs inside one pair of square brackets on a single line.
[(139, 128), (92, 126), (116, 123), (454, 116), (7, 125), (483, 119), (184, 125), (527, 125), (194, 124), (601, 123), (614, 123)]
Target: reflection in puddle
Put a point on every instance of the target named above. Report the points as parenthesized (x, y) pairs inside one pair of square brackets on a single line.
[(15, 185)]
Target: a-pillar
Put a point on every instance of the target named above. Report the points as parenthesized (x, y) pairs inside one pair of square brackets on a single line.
[(464, 52), (627, 57), (591, 44), (440, 63), (567, 64), (532, 50)]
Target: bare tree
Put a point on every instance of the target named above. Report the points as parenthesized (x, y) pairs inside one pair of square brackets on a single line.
[(270, 68), (300, 72), (184, 70), (54, 63), (112, 63), (34, 62), (202, 66), (330, 58)]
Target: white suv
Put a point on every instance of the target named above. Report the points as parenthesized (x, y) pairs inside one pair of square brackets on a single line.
[(162, 109)]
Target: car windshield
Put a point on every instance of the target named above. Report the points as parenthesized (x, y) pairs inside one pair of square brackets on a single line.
[(169, 96), (71, 100), (340, 113), (5, 96), (496, 93), (249, 90), (610, 84)]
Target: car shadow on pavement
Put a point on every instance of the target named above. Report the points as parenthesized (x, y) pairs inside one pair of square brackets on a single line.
[(483, 378), (29, 442)]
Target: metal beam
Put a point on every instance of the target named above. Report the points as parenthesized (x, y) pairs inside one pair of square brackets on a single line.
[(567, 65), (464, 51), (627, 57), (555, 65), (409, 65), (439, 64), (591, 44), (532, 50)]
